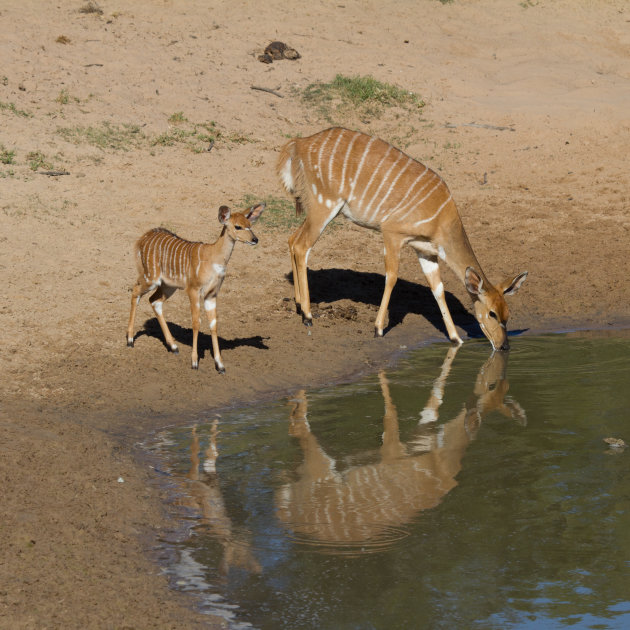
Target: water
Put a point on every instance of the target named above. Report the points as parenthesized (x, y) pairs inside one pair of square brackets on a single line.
[(456, 491)]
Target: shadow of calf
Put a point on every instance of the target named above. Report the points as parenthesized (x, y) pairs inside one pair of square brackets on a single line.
[(151, 328)]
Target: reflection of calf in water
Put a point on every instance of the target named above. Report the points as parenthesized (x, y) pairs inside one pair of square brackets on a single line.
[(363, 502), (204, 495)]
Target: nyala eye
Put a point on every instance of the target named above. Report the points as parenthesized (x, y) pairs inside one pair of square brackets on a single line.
[(493, 315), (238, 227)]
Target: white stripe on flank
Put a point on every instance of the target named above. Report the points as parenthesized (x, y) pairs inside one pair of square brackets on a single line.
[(360, 167), (321, 150), (144, 253), (410, 204), (175, 257), (389, 190), (367, 187), (436, 212), (415, 203), (183, 260), (345, 161), (383, 182), (402, 202), (180, 264), (171, 266), (199, 259), (332, 154), (309, 152), (160, 257)]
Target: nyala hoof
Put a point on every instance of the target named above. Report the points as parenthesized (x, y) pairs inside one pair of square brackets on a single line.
[(129, 343)]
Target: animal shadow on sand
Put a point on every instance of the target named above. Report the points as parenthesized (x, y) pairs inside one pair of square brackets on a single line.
[(183, 336), (331, 285)]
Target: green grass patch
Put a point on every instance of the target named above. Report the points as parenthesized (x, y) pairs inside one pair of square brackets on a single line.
[(10, 107), (195, 136), (37, 160), (279, 212), (64, 97), (363, 95), (177, 118), (106, 136), (6, 156)]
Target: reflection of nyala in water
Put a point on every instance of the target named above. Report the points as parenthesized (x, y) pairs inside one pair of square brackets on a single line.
[(204, 496), (364, 502)]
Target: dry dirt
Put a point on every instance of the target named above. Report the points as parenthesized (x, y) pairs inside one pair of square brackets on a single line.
[(527, 117)]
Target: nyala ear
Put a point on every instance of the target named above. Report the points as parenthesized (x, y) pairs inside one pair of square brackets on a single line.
[(473, 282), (224, 214), (255, 212), (510, 287)]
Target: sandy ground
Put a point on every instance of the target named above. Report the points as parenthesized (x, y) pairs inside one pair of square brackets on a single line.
[(527, 117)]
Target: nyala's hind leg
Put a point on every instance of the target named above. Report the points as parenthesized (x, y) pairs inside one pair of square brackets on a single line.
[(139, 290), (157, 301)]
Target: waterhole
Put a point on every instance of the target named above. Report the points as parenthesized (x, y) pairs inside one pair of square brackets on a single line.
[(459, 490)]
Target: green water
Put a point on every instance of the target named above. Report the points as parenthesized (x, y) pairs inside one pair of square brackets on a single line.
[(460, 490)]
